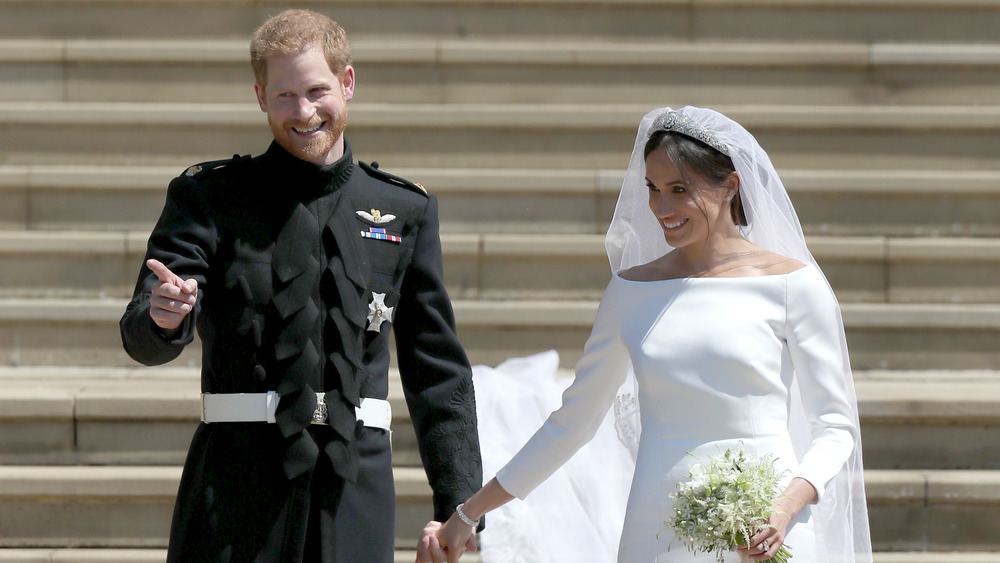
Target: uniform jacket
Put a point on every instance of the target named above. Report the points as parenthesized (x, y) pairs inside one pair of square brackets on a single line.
[(292, 261)]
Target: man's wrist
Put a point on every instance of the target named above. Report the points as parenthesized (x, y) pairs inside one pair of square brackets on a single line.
[(167, 333)]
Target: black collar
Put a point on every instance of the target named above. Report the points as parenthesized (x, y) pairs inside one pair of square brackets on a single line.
[(303, 176)]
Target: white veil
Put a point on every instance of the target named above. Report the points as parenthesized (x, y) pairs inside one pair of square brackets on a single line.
[(635, 237)]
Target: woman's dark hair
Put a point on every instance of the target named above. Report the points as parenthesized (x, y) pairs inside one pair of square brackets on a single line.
[(699, 158)]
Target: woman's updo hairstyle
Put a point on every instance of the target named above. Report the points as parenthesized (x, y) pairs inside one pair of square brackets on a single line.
[(701, 159)]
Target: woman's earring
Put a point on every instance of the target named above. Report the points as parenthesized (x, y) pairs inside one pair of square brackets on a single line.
[(729, 197)]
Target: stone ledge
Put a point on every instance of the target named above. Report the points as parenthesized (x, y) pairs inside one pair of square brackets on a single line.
[(37, 401), (933, 487), (943, 249), (99, 178), (112, 404), (82, 555), (40, 375), (156, 555), (968, 403), (513, 181), (963, 487), (487, 116), (152, 555), (86, 482), (62, 310), (935, 557), (76, 375), (935, 55), (486, 245), (544, 313), (928, 376), (79, 243), (146, 394), (956, 487), (854, 5), (79, 482), (579, 53), (918, 316), (573, 52), (911, 182), (53, 331)]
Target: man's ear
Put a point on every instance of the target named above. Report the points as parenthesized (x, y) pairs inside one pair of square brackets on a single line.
[(347, 82), (261, 98)]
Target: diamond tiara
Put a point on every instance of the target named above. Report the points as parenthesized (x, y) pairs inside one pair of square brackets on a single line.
[(680, 123)]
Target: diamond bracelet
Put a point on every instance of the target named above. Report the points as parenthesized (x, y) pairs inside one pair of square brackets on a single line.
[(461, 516)]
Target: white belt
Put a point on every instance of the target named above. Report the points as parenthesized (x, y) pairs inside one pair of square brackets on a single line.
[(260, 407)]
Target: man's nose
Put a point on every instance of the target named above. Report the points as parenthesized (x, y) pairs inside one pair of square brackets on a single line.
[(304, 109)]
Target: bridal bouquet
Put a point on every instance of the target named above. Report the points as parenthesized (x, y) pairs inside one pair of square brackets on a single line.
[(724, 502)]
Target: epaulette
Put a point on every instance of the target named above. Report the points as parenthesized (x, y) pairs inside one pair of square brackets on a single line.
[(204, 167), (372, 170)]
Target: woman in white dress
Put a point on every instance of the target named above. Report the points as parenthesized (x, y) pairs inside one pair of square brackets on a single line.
[(733, 336)]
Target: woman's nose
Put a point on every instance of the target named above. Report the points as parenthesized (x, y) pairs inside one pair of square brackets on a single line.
[(662, 207)]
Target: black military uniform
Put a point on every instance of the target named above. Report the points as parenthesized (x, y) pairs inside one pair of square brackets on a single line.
[(302, 270)]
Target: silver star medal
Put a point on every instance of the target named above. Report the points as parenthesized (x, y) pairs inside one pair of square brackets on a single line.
[(378, 312)]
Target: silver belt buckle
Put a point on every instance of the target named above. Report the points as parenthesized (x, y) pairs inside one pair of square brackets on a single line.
[(320, 414)]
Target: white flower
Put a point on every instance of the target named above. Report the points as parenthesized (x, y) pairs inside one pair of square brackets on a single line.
[(724, 502)]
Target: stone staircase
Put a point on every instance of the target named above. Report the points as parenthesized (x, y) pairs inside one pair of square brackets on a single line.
[(881, 115)]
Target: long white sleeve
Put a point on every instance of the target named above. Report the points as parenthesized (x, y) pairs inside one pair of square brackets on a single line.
[(814, 334), (599, 373)]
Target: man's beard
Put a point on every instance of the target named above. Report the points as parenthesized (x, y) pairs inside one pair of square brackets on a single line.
[(311, 150)]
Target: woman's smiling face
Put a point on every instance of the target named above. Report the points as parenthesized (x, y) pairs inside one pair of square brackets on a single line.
[(686, 205)]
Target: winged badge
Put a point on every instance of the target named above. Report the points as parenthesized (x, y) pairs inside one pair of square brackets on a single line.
[(376, 217)]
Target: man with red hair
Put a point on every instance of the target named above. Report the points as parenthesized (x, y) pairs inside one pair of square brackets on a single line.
[(293, 267)]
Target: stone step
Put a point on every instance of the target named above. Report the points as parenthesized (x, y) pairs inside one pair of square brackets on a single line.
[(925, 425), (510, 266), (82, 555), (518, 135), (518, 200), (122, 416), (156, 555), (927, 510), (544, 70), (41, 264), (754, 20), (60, 416), (130, 507), (66, 332), (159, 555), (935, 557)]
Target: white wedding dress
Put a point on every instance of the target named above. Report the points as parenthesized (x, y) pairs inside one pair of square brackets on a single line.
[(715, 360), (577, 513)]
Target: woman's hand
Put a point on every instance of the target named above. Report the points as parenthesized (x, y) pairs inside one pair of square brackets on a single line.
[(428, 549), (765, 544), (445, 543), (455, 537)]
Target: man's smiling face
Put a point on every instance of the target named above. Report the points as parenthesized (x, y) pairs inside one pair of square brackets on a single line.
[(306, 105)]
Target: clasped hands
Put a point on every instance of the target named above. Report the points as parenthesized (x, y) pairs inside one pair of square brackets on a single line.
[(445, 543)]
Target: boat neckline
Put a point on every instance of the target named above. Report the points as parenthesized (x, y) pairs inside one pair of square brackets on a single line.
[(693, 278)]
